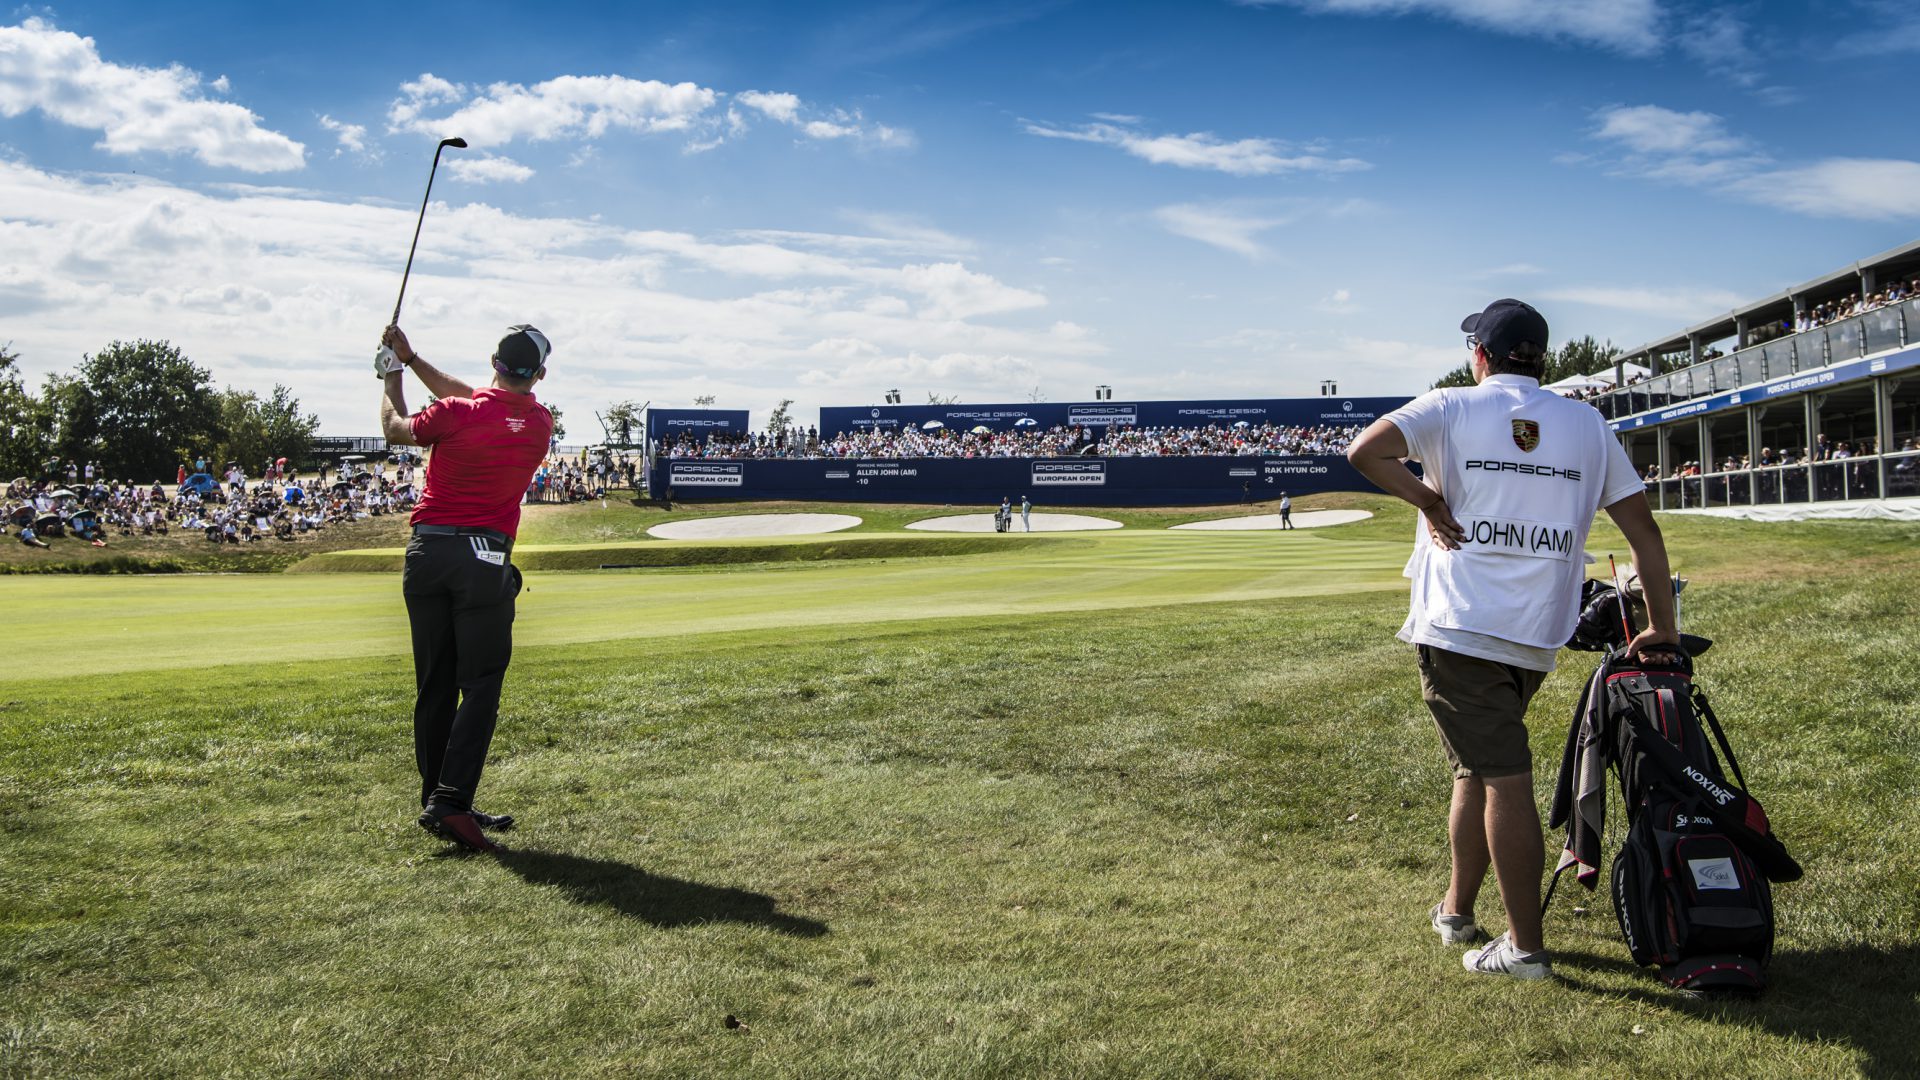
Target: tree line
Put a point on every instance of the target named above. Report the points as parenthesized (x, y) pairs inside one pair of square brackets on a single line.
[(1583, 356), (140, 409)]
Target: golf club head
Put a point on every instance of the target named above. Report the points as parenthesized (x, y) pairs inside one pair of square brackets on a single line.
[(457, 143)]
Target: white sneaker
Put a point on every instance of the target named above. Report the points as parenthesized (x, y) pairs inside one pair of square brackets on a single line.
[(1456, 929), (1501, 958)]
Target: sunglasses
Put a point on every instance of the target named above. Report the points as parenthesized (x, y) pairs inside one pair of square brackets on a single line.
[(1473, 343)]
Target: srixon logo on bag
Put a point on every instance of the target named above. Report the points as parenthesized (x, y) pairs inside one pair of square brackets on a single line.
[(1720, 795)]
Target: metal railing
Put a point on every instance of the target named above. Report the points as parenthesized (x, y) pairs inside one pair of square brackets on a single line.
[(1889, 327), (1891, 476)]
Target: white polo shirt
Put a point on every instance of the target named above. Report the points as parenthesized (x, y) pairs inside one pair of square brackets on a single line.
[(1524, 470)]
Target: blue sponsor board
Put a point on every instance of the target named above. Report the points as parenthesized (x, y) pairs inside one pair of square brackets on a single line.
[(699, 423), (1053, 473), (1124, 481), (1773, 388), (1285, 412), (696, 476)]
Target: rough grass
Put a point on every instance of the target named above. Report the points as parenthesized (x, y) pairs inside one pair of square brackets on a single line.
[(1180, 840)]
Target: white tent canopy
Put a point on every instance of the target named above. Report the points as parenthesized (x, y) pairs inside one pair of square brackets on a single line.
[(1580, 382)]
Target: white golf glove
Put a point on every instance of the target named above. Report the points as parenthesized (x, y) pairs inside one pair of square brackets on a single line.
[(386, 362)]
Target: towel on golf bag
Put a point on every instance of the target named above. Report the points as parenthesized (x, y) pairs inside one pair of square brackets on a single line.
[(1690, 884)]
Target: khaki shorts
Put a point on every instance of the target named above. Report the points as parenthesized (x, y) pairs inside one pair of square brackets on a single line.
[(1480, 707)]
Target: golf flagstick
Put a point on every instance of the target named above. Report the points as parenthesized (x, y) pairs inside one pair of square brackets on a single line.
[(384, 359)]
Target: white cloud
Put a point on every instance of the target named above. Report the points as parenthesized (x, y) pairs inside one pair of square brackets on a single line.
[(1718, 40), (1871, 189), (1223, 227), (1679, 303), (221, 85), (908, 230), (782, 107), (1652, 129), (951, 291), (1338, 302), (488, 169), (590, 106), (1888, 27), (1519, 269), (352, 137), (1629, 26), (570, 106), (1203, 150), (827, 125), (1695, 149), (135, 109), (268, 284), (1266, 362)]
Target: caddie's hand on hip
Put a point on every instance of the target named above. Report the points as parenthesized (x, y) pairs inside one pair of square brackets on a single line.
[(1441, 527)]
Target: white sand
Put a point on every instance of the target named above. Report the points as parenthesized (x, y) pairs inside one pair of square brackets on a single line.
[(746, 525), (1302, 519), (983, 523)]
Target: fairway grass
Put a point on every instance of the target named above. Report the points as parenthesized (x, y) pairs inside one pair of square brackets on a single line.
[(185, 623), (1146, 805)]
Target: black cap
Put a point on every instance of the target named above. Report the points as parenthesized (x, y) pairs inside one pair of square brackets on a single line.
[(522, 353), (1504, 325)]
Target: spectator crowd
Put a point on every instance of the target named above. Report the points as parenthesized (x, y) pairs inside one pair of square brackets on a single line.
[(76, 502), (565, 478), (1212, 440), (1823, 449), (1812, 318)]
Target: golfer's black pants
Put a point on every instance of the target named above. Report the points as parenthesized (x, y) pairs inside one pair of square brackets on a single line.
[(459, 592)]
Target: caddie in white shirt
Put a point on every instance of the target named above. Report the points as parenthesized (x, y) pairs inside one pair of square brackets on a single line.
[(1513, 477)]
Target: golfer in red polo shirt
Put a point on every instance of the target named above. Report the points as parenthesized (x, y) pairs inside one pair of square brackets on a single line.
[(459, 585)]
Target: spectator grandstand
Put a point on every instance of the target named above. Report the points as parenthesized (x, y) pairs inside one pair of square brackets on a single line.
[(1814, 402), (1212, 440)]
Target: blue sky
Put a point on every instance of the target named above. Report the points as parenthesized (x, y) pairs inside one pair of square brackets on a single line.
[(822, 202)]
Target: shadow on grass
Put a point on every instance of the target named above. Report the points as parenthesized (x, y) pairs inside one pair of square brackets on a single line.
[(1856, 996), (653, 898)]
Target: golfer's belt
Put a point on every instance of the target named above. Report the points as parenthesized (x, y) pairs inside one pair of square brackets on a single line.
[(461, 530)]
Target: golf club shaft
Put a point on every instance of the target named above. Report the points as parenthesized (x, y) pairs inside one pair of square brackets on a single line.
[(416, 233)]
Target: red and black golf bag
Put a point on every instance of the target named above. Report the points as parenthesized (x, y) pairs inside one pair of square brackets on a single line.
[(1691, 883)]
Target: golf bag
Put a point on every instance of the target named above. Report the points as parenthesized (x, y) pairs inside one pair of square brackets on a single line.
[(1691, 883)]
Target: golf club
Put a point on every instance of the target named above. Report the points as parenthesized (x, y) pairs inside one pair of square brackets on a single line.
[(383, 359), (457, 144)]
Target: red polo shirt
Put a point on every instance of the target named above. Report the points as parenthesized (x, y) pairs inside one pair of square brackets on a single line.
[(485, 451)]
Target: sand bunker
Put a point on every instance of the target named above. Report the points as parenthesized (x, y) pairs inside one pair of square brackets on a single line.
[(749, 525), (1302, 519), (983, 523)]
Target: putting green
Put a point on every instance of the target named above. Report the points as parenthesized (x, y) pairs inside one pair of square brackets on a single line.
[(182, 622)]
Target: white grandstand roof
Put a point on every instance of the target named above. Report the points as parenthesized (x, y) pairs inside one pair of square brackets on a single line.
[(1908, 252)]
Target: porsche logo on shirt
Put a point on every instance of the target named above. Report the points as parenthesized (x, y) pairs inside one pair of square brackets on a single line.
[(1526, 434)]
